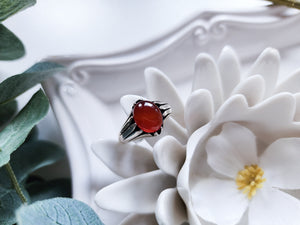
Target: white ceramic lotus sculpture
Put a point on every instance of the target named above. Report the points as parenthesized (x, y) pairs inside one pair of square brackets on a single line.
[(229, 155)]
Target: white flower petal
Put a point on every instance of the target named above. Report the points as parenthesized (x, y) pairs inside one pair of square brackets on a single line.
[(291, 84), (170, 209), (292, 192), (253, 88), (280, 161), (169, 155), (297, 111), (127, 101), (126, 160), (199, 109), (137, 194), (194, 219), (269, 120), (231, 150), (174, 129), (267, 65), (161, 88), (229, 68), (206, 76), (195, 166), (273, 207), (244, 219), (191, 214), (273, 118), (140, 219), (219, 201), (233, 109)]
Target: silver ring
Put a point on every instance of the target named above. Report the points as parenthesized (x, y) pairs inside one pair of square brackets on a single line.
[(143, 114)]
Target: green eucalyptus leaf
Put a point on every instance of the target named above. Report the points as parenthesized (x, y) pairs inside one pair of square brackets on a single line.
[(10, 45), (15, 133), (9, 203), (10, 7), (64, 211), (14, 86), (37, 154), (41, 190), (43, 67), (7, 111)]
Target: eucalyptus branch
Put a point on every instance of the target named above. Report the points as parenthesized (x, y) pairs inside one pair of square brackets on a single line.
[(15, 182)]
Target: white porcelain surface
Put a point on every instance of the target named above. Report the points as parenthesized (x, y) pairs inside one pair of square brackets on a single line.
[(85, 99)]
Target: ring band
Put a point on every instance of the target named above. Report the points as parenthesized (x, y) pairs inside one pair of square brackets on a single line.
[(144, 113)]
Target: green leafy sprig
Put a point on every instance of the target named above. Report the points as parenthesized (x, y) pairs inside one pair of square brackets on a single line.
[(16, 166), (21, 153), (10, 45)]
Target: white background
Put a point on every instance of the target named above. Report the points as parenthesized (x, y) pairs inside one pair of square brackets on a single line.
[(67, 27)]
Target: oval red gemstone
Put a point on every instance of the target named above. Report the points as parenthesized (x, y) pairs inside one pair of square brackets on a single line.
[(147, 116)]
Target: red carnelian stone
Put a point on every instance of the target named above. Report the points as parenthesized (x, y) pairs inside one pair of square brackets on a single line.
[(147, 116)]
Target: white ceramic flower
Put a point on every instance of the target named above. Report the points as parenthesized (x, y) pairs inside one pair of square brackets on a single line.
[(265, 135), (219, 94), (245, 181)]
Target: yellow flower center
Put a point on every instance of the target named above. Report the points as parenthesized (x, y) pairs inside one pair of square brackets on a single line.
[(249, 179)]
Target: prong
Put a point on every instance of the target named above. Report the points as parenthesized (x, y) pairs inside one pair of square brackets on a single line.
[(165, 108), (166, 113)]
